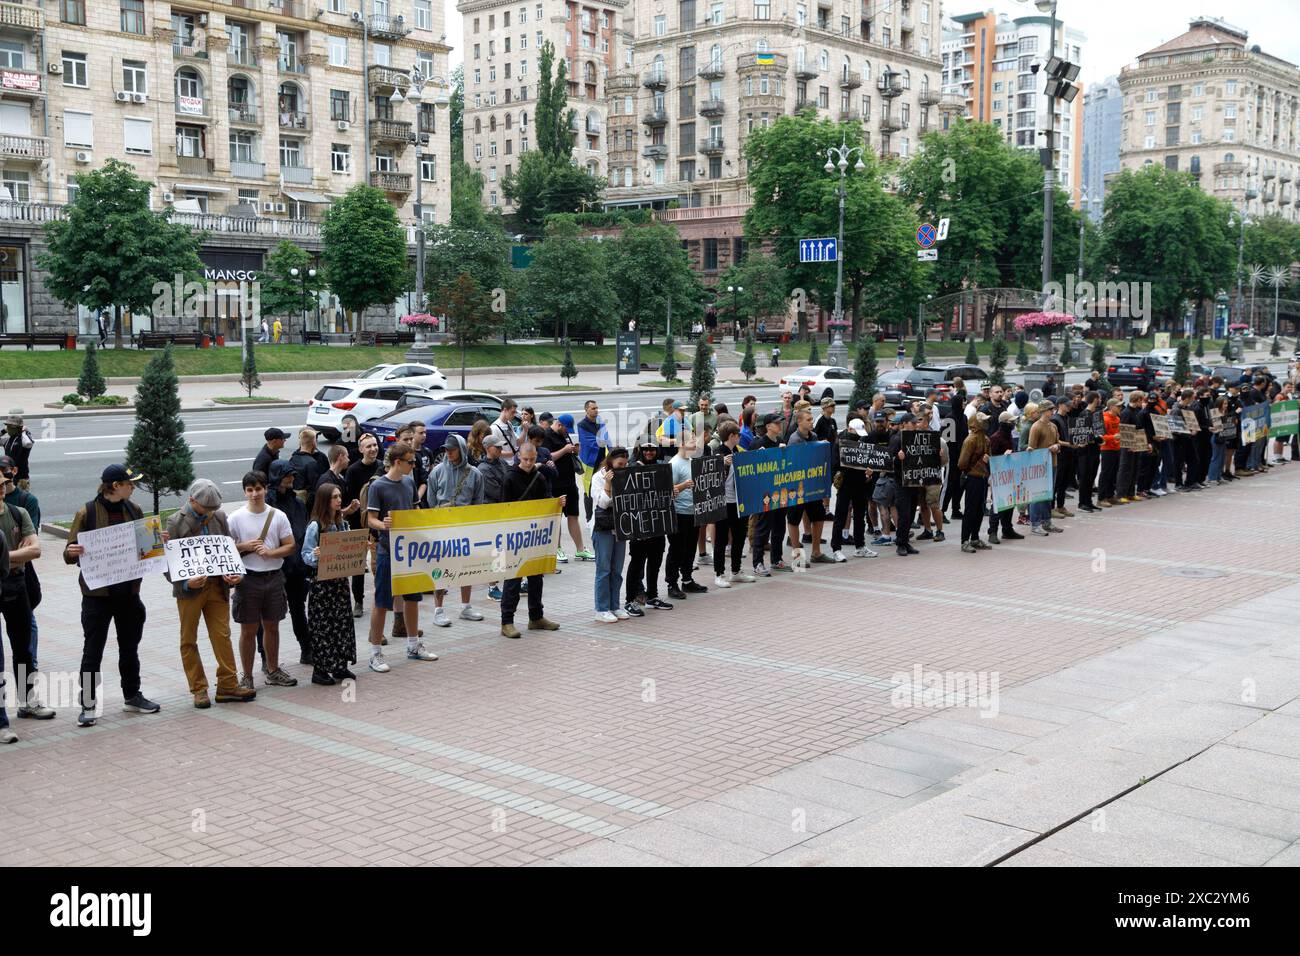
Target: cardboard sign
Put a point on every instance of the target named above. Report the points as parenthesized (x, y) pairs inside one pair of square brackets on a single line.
[(1189, 417), (643, 502), (1286, 419), (203, 556), (342, 554), (1080, 430), (1023, 478), (1161, 423), (709, 489), (1254, 423), (1132, 438), (864, 454), (1098, 425), (1174, 422), (773, 478), (921, 458), (1216, 420), (114, 554), (1229, 427)]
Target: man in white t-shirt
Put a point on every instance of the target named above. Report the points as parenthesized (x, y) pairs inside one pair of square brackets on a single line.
[(504, 428), (264, 538)]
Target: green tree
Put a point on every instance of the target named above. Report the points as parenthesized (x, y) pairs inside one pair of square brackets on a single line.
[(702, 377), (568, 276), (1183, 363), (157, 448), (283, 293), (248, 376), (1065, 349), (481, 251), (766, 284), (145, 256), (814, 356), (1200, 344), (544, 185), (864, 371), (1022, 354), (668, 370), (1097, 359), (998, 353), (972, 356), (553, 120), (918, 356), (653, 269), (747, 364), (91, 383), (469, 311), (365, 251), (568, 371)]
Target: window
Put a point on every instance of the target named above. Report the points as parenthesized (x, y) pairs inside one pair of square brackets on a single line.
[(290, 152), (78, 129), (13, 55), (72, 187), (132, 18), (340, 158), (686, 139), (824, 98), (523, 14), (428, 168), (523, 41), (424, 14), (1149, 142), (661, 25), (189, 141), (1198, 89), (338, 47), (824, 61), (1230, 111), (478, 76), (1230, 88), (478, 152), (135, 76), (762, 9), (537, 13), (1229, 135), (19, 185), (1152, 96), (1151, 117), (715, 167), (242, 147), (686, 14), (1197, 113), (384, 161), (686, 170), (492, 174), (383, 54), (997, 87), (523, 71), (1196, 137), (338, 6), (137, 135), (340, 107), (74, 69), (73, 11), (710, 255)]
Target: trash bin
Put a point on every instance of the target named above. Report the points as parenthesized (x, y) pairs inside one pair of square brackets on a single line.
[(221, 341), (206, 341), (70, 342)]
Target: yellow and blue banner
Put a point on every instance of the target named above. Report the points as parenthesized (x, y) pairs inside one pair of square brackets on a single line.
[(1021, 479), (773, 478), (472, 544)]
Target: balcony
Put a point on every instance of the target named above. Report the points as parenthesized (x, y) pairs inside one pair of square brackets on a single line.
[(952, 103), (388, 28), (694, 213), (24, 147), (847, 116), (16, 16), (298, 175), (713, 146), (243, 114), (801, 105), (243, 170), (294, 119), (749, 61), (292, 65), (890, 85), (891, 124), (1270, 194), (620, 83), (204, 222), (712, 70), (183, 48), (21, 84), (241, 56), (905, 22), (1229, 169), (386, 79), (655, 79), (712, 107), (655, 151), (929, 97), (194, 165), (655, 118), (1252, 193), (391, 182), (390, 131), (805, 71), (850, 79)]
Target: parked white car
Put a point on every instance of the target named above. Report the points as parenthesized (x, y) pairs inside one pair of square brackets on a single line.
[(364, 399), (406, 373), (822, 380)]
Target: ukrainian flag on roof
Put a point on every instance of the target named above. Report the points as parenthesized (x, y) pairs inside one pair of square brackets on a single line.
[(764, 59)]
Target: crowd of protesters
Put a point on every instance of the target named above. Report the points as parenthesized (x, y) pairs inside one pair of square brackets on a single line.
[(522, 456)]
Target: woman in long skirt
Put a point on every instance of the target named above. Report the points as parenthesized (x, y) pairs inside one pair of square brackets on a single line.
[(329, 603)]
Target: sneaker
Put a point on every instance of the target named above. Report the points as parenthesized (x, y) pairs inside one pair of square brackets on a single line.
[(510, 631), (882, 540), (866, 553), (201, 701), (1053, 529), (494, 593), (761, 570), (1038, 530), (911, 550), (939, 536), (140, 704), (377, 662), (440, 618), (305, 658), (35, 710), (741, 577), (994, 539), (690, 587), (1059, 513), (235, 695), (357, 610), (418, 652), (1012, 535), (967, 548), (633, 609), (279, 678), (837, 557), (543, 624), (584, 555), (721, 581), (1105, 503), (324, 678), (87, 717), (7, 736), (621, 614), (561, 556), (925, 535), (246, 682), (605, 617), (822, 558), (468, 613), (903, 551), (658, 604), (676, 593), (981, 546), (782, 566), (344, 674)]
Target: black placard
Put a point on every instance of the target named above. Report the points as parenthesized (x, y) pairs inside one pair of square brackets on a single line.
[(864, 454), (921, 458), (1080, 429), (709, 489), (1098, 425), (643, 502)]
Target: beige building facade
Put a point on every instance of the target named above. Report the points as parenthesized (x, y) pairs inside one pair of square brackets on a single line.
[(1211, 104)]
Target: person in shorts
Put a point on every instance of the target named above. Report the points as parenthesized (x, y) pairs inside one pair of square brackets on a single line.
[(814, 510), (264, 538)]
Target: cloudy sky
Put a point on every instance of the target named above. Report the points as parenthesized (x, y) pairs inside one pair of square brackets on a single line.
[(1117, 30)]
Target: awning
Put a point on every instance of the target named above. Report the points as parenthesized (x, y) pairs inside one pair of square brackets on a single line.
[(200, 188), (187, 205), (302, 196)]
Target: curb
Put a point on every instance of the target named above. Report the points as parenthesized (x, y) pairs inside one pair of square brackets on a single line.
[(55, 530)]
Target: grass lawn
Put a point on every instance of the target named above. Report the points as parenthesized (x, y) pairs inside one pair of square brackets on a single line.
[(663, 383), (245, 400), (568, 388)]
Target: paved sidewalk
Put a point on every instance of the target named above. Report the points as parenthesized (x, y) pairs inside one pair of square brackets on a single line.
[(652, 740)]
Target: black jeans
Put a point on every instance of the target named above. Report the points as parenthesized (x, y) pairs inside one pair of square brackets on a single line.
[(1106, 482), (1127, 474), (681, 552), (645, 558), (1064, 470), (853, 492), (510, 599), (769, 534), (358, 589), (952, 491), (972, 516), (733, 529), (295, 591), (1085, 467), (17, 613), (127, 612), (1146, 470), (905, 505)]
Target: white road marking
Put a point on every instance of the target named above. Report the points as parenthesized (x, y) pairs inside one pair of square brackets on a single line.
[(113, 451)]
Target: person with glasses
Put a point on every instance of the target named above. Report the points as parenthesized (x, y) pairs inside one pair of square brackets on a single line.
[(392, 491)]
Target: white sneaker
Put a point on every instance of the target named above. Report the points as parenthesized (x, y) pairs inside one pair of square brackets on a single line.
[(865, 553), (837, 557), (469, 614), (377, 662), (761, 570), (621, 614), (741, 577), (605, 617), (418, 652), (440, 618), (561, 556), (721, 581)]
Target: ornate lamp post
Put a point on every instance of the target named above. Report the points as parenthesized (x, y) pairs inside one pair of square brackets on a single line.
[(837, 157), (735, 291), (302, 275)]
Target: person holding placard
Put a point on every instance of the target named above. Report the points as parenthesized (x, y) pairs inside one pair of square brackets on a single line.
[(1043, 434), (852, 491), (973, 462), (455, 483), (117, 604), (356, 478), (526, 482), (733, 529), (646, 555), (207, 598), (610, 551), (329, 605), (679, 569)]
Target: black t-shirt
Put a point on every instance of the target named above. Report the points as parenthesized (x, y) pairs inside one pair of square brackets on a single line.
[(565, 476)]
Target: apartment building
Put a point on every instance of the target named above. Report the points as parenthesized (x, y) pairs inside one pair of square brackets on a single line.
[(699, 76), (988, 62), (502, 48), (1103, 108), (247, 117), (1210, 104)]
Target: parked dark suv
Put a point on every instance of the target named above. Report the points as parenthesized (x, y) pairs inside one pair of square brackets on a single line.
[(900, 387)]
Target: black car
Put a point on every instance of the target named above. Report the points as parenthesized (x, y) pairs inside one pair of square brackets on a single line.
[(1131, 371), (902, 386)]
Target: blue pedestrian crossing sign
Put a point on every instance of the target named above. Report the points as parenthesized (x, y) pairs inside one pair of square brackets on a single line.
[(819, 250), (926, 235)]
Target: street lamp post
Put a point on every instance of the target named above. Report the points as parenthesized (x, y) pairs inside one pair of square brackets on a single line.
[(1241, 249), (735, 291), (302, 275), (838, 157), (1049, 160)]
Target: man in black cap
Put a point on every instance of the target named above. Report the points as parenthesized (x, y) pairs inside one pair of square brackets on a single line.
[(20, 497), (771, 523), (17, 442), (270, 451), (1065, 458), (904, 497), (117, 604)]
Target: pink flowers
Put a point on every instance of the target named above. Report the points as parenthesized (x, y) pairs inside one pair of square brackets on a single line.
[(420, 318), (1043, 321)]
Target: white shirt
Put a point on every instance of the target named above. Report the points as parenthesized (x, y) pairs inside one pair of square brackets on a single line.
[(245, 526), (511, 446), (599, 499)]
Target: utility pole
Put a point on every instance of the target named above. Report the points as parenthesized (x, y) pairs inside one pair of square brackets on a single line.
[(838, 157), (1049, 164)]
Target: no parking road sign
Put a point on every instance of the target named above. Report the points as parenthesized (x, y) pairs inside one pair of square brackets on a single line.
[(926, 236)]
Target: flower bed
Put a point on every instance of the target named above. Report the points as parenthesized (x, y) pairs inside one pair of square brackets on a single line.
[(421, 320), (1032, 322)]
